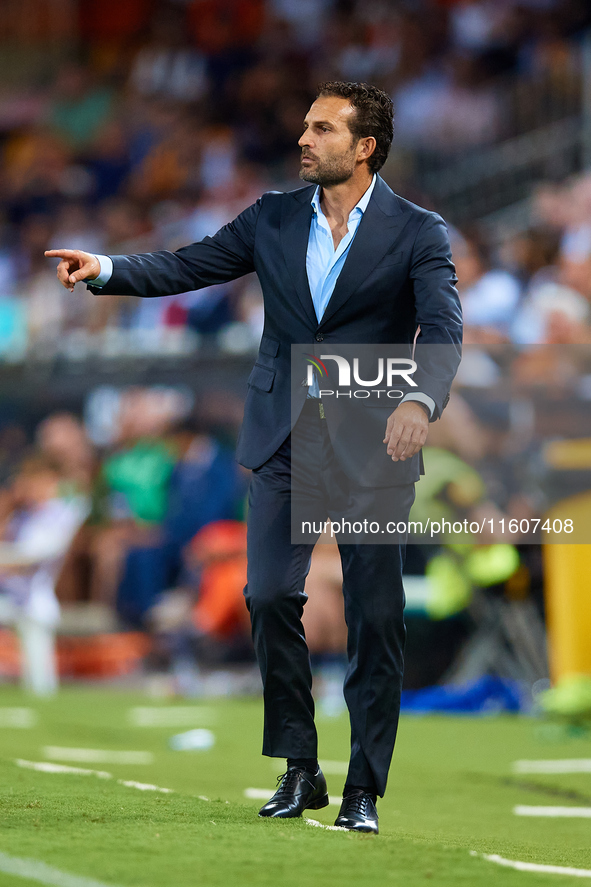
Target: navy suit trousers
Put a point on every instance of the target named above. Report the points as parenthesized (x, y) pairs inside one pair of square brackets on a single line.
[(373, 597)]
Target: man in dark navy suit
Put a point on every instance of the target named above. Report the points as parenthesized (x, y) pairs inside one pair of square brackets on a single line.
[(342, 261)]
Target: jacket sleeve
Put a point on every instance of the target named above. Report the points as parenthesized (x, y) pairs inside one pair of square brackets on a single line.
[(225, 256), (438, 311)]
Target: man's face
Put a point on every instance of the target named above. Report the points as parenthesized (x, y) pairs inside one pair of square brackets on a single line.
[(328, 148)]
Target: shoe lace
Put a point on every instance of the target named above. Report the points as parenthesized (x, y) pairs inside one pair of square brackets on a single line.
[(359, 802), (286, 781)]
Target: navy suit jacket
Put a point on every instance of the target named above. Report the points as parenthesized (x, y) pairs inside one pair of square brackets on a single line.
[(398, 275)]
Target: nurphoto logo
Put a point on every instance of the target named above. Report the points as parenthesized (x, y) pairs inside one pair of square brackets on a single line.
[(389, 370)]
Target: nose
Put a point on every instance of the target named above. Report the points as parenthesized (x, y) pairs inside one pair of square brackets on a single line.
[(305, 140)]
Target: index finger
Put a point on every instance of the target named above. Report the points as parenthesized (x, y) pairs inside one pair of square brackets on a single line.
[(392, 439), (389, 426), (60, 253)]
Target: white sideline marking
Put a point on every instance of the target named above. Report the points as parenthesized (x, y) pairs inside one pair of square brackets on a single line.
[(45, 874), (173, 716), (329, 828), (263, 794), (97, 755), (24, 718), (562, 765), (46, 767), (573, 812), (145, 787), (533, 866)]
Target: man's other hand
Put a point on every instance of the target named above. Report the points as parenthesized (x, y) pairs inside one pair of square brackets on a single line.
[(406, 431), (75, 265)]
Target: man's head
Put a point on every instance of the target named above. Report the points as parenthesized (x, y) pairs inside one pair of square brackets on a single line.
[(349, 126)]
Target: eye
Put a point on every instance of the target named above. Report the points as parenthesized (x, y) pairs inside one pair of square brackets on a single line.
[(325, 128)]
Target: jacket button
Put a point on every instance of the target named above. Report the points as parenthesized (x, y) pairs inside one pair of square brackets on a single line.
[(319, 337)]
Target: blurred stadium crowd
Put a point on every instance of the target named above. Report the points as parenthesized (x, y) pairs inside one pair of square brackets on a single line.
[(168, 118), (148, 124), (115, 527)]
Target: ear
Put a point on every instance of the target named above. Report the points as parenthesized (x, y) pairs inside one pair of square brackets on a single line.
[(365, 148)]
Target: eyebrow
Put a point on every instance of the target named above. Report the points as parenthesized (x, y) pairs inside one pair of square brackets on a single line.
[(319, 123)]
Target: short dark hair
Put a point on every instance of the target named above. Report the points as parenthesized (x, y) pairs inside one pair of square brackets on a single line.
[(374, 115)]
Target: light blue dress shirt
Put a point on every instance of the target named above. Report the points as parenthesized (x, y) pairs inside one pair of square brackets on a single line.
[(105, 273), (324, 263)]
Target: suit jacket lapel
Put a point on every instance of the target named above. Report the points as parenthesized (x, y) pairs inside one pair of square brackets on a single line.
[(295, 230), (382, 221)]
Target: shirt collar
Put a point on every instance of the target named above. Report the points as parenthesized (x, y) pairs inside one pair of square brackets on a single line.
[(361, 205)]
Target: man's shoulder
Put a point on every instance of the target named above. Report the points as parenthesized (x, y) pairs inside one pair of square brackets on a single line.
[(391, 202), (300, 194), (383, 196), (416, 210)]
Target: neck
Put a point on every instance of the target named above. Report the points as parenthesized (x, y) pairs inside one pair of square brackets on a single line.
[(337, 201)]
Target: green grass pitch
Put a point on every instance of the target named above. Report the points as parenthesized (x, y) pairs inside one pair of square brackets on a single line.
[(451, 791)]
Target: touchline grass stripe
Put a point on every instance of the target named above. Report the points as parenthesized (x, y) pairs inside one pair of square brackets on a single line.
[(96, 755), (145, 786), (533, 866), (451, 791), (558, 765), (49, 767), (553, 812), (328, 828), (24, 718), (171, 716), (46, 767), (44, 874)]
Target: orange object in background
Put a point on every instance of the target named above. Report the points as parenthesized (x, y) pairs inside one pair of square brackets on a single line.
[(220, 549), (9, 654), (92, 656), (101, 655)]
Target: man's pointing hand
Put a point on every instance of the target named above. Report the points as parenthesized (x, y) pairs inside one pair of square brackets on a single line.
[(75, 265)]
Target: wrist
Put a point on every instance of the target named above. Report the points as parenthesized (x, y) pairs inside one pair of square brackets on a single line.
[(416, 403), (104, 272), (423, 406)]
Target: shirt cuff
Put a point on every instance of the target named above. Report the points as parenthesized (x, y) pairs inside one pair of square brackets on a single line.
[(104, 274), (422, 398)]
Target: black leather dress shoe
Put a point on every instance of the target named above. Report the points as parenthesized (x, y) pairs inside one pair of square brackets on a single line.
[(358, 813), (298, 790)]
